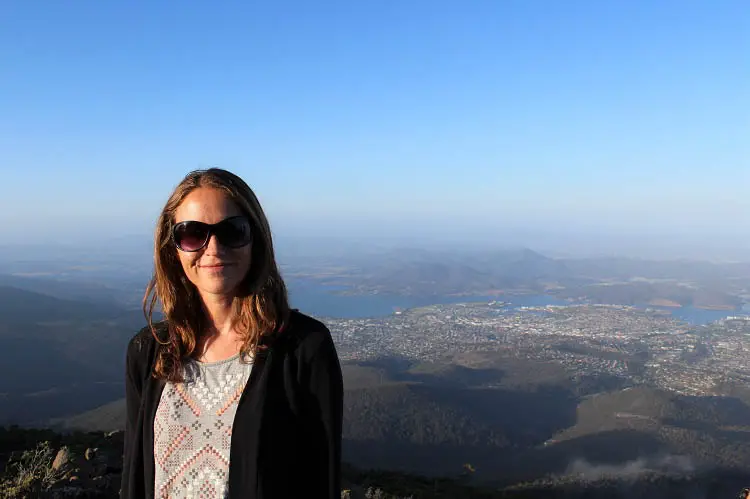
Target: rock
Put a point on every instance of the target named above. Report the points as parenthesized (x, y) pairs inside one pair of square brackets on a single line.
[(101, 482), (102, 456), (100, 469), (86, 470), (117, 468), (63, 459)]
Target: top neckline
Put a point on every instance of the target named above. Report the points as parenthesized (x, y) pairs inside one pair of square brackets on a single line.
[(216, 362)]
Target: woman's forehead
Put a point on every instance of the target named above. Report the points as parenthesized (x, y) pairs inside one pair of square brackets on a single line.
[(206, 205)]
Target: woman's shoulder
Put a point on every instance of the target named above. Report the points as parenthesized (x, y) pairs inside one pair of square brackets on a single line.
[(301, 322), (144, 342), (305, 333)]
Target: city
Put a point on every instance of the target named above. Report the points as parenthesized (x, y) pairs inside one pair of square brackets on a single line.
[(643, 346)]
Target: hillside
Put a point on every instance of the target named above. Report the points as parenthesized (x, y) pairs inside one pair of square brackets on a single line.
[(59, 356), (78, 290), (44, 465), (105, 418), (515, 420), (640, 293), (435, 273)]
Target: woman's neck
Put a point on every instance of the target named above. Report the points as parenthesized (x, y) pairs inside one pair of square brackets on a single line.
[(218, 310), (219, 340)]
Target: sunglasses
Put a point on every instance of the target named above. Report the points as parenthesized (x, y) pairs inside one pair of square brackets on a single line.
[(232, 232)]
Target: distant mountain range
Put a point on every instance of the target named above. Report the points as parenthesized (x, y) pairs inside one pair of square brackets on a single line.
[(603, 280), (430, 273)]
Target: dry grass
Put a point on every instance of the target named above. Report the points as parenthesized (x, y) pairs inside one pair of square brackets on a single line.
[(29, 473)]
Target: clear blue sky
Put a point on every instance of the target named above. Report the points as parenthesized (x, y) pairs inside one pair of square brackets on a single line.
[(629, 116)]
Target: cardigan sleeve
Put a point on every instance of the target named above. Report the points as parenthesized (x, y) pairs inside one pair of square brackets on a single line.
[(133, 389), (326, 392)]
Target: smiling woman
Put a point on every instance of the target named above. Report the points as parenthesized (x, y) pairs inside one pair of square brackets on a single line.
[(215, 256), (233, 394)]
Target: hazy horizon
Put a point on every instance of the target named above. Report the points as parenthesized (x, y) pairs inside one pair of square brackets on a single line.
[(554, 244)]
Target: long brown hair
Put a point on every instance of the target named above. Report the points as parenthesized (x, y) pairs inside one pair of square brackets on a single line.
[(260, 305)]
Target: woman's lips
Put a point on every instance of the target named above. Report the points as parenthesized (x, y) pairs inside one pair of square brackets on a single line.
[(216, 267)]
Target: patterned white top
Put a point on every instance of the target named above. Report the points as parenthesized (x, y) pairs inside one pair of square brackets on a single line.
[(193, 429)]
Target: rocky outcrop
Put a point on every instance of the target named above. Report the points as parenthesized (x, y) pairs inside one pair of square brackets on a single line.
[(71, 471)]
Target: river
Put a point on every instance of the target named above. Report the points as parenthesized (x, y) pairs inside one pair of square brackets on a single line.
[(322, 301)]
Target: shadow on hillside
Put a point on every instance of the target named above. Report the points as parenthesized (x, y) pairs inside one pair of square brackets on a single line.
[(712, 484), (391, 364), (720, 411), (59, 357), (524, 418), (610, 448), (709, 428), (455, 376), (433, 418), (435, 430), (40, 409), (504, 466)]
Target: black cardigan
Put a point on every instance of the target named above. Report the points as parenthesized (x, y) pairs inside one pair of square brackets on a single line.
[(286, 438)]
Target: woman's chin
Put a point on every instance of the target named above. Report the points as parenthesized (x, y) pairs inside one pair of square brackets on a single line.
[(218, 286)]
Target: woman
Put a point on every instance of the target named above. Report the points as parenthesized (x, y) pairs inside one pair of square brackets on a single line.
[(233, 394)]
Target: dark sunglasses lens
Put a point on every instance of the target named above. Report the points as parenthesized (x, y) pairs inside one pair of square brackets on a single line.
[(234, 232), (190, 236)]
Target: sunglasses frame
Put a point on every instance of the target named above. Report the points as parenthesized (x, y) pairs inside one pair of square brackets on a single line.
[(211, 230)]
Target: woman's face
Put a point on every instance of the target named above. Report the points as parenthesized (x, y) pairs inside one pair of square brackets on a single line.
[(214, 269)]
